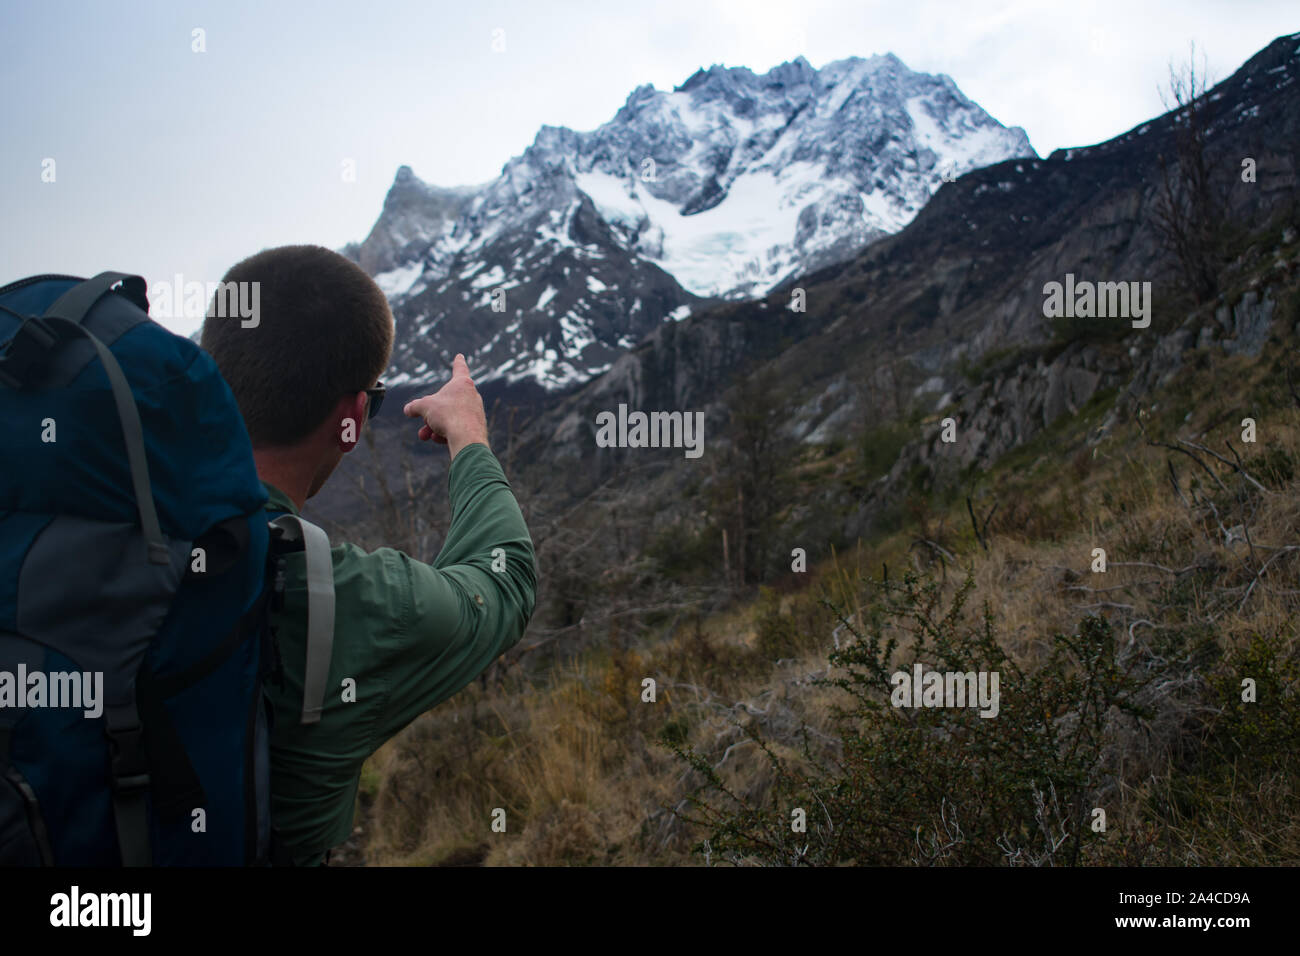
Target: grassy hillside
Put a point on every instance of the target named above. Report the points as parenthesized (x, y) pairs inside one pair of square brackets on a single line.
[(1114, 532), (1121, 691)]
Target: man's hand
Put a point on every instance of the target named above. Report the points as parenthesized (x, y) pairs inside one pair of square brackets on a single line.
[(453, 415)]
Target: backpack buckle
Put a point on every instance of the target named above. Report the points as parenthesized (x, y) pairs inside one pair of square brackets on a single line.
[(130, 768), (28, 350), (278, 587)]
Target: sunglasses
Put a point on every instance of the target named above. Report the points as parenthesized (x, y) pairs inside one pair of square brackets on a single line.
[(375, 398)]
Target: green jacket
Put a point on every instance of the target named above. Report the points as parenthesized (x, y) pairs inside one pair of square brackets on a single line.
[(409, 634)]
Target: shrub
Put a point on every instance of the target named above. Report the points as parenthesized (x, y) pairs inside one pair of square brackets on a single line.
[(881, 446), (940, 785)]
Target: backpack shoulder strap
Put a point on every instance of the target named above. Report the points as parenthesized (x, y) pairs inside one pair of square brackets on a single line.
[(320, 608), (30, 347)]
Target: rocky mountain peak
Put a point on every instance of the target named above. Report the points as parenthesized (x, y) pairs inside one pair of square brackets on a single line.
[(725, 187)]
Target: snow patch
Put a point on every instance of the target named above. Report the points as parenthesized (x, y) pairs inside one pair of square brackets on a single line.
[(397, 282), (492, 277)]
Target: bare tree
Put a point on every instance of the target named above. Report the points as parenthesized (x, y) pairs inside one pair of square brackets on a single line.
[(754, 472), (597, 583), (400, 497), (1190, 206)]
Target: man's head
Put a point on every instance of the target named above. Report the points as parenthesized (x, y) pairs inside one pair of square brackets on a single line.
[(324, 333)]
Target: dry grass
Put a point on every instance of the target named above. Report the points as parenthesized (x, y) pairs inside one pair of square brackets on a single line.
[(574, 758)]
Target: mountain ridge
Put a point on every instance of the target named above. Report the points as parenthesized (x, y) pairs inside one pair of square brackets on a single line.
[(960, 284), (719, 189)]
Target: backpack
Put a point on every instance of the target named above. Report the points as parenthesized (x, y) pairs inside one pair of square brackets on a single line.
[(139, 575)]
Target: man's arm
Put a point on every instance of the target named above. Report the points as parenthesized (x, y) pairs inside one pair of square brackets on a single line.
[(475, 600), (463, 612)]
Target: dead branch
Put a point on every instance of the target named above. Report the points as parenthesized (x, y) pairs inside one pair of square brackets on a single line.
[(1157, 567), (1235, 467), (1173, 480), (1241, 468), (1117, 587), (1260, 574), (944, 552)]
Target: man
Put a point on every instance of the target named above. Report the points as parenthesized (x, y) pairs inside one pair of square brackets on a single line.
[(408, 634)]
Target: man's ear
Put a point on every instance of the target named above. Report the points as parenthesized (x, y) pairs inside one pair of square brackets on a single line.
[(350, 415)]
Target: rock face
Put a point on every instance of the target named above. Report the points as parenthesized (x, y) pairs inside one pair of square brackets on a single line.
[(1248, 329), (720, 189), (414, 215), (946, 317)]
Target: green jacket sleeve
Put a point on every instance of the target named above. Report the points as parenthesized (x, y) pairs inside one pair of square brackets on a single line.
[(466, 608)]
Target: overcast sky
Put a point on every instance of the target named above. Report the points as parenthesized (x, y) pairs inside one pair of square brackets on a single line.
[(173, 161)]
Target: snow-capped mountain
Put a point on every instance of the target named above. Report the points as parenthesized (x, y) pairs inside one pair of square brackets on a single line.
[(723, 188)]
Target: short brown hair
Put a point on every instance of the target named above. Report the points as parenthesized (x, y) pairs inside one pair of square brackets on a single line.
[(323, 328)]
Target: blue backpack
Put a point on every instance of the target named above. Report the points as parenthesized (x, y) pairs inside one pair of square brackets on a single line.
[(138, 575)]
